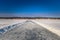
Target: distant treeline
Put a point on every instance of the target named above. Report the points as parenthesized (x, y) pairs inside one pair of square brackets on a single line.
[(29, 18)]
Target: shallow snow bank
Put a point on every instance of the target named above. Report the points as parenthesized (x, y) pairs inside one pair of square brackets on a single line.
[(48, 24), (7, 22)]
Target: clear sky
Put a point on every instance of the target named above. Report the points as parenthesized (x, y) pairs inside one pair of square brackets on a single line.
[(44, 8)]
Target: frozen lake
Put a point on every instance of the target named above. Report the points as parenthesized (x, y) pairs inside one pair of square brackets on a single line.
[(29, 30), (50, 24)]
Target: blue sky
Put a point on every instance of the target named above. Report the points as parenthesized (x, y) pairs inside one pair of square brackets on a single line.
[(44, 8)]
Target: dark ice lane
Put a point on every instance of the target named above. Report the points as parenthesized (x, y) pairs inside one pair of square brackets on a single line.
[(29, 31)]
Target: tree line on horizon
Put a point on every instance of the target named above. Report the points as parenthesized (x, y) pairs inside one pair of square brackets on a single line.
[(29, 18)]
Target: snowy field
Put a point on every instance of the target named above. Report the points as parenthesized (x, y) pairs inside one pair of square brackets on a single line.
[(52, 23)]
